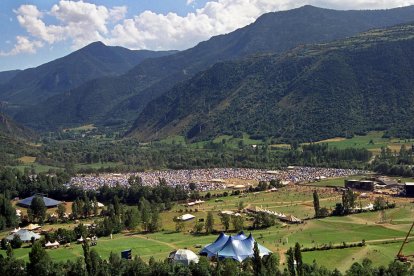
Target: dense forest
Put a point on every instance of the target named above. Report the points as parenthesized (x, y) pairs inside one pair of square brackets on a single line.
[(133, 155)]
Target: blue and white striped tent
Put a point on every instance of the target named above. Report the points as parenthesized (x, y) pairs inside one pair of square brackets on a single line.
[(238, 247)]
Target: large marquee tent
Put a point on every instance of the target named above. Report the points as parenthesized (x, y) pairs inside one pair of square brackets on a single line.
[(25, 235), (238, 247), (49, 203)]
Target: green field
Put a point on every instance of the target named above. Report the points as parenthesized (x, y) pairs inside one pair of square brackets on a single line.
[(383, 240), (373, 141)]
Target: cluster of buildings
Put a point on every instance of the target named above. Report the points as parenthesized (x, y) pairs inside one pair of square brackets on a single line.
[(381, 185)]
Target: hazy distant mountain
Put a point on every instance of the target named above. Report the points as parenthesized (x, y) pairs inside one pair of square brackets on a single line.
[(5, 76), (117, 100), (310, 93), (96, 60)]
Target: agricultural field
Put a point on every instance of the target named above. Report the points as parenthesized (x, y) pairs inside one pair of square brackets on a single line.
[(373, 141), (382, 231)]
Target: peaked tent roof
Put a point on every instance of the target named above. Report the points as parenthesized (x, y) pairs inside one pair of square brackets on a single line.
[(238, 247), (184, 256), (240, 236), (25, 235), (212, 248), (48, 201), (241, 249)]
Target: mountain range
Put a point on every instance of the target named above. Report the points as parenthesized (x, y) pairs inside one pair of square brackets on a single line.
[(118, 100), (32, 86)]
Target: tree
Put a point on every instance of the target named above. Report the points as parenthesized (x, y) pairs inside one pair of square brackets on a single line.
[(155, 222), (202, 268), (316, 205), (348, 201), (131, 218), (323, 212), (271, 263), (95, 207), (230, 267), (16, 242), (291, 262), (225, 220), (87, 207), (179, 225), (75, 211), (4, 244), (339, 210), (38, 209), (61, 211), (145, 209), (380, 204), (238, 223), (257, 261), (198, 227), (209, 226), (8, 217), (87, 258), (39, 261), (298, 258)]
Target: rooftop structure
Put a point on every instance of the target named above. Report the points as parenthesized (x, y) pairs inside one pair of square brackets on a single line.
[(186, 217), (183, 256), (49, 202), (238, 247), (25, 235)]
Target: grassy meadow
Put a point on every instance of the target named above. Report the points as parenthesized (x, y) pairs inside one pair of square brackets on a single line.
[(382, 239)]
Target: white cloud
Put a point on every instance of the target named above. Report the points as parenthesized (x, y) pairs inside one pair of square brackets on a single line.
[(189, 2), (117, 13), (23, 45), (80, 22)]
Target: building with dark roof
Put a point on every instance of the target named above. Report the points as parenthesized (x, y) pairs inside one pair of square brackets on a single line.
[(49, 202), (409, 189), (367, 185)]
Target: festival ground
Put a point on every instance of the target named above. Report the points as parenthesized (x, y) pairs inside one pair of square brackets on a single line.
[(382, 231)]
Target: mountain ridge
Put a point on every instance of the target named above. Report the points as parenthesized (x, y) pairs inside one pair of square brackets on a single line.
[(310, 93), (119, 100), (95, 60)]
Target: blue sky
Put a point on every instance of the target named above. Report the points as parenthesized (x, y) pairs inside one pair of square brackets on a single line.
[(38, 31)]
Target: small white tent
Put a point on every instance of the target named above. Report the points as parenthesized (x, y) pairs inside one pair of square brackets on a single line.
[(183, 256)]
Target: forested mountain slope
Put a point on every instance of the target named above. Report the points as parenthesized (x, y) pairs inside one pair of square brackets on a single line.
[(307, 94)]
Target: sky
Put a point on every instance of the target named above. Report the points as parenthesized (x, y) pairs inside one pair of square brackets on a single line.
[(37, 31)]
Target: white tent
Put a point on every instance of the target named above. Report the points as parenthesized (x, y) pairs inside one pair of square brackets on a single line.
[(25, 235), (14, 231), (183, 256), (185, 217), (52, 244)]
